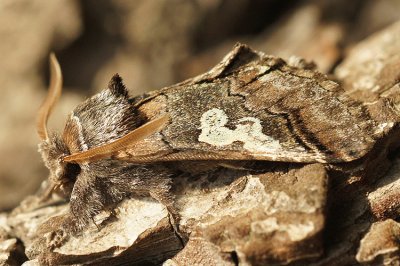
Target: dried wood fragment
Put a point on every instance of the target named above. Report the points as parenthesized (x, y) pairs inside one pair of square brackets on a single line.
[(371, 68), (11, 249), (380, 246)]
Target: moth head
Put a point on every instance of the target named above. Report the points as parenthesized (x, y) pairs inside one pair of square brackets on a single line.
[(64, 167), (53, 151)]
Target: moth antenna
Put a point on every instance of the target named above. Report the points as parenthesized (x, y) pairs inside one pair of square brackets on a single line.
[(107, 150), (53, 94)]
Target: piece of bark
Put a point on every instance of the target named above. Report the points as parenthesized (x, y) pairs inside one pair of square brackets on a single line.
[(371, 68), (11, 249), (380, 246), (385, 199), (275, 216), (136, 225), (351, 211), (202, 252)]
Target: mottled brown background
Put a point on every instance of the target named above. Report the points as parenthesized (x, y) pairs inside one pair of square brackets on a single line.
[(151, 43)]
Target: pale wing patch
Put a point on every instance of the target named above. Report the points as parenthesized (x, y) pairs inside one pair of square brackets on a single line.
[(248, 131)]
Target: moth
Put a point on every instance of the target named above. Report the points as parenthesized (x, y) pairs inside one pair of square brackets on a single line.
[(251, 106)]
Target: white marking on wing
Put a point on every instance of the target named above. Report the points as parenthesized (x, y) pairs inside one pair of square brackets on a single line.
[(248, 131)]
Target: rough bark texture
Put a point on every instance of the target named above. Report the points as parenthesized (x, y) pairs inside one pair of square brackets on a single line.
[(272, 214), (231, 214)]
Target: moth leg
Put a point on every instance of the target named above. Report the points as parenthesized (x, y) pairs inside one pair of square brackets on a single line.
[(162, 193), (155, 181), (98, 227), (85, 203), (60, 228), (46, 194), (166, 199)]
